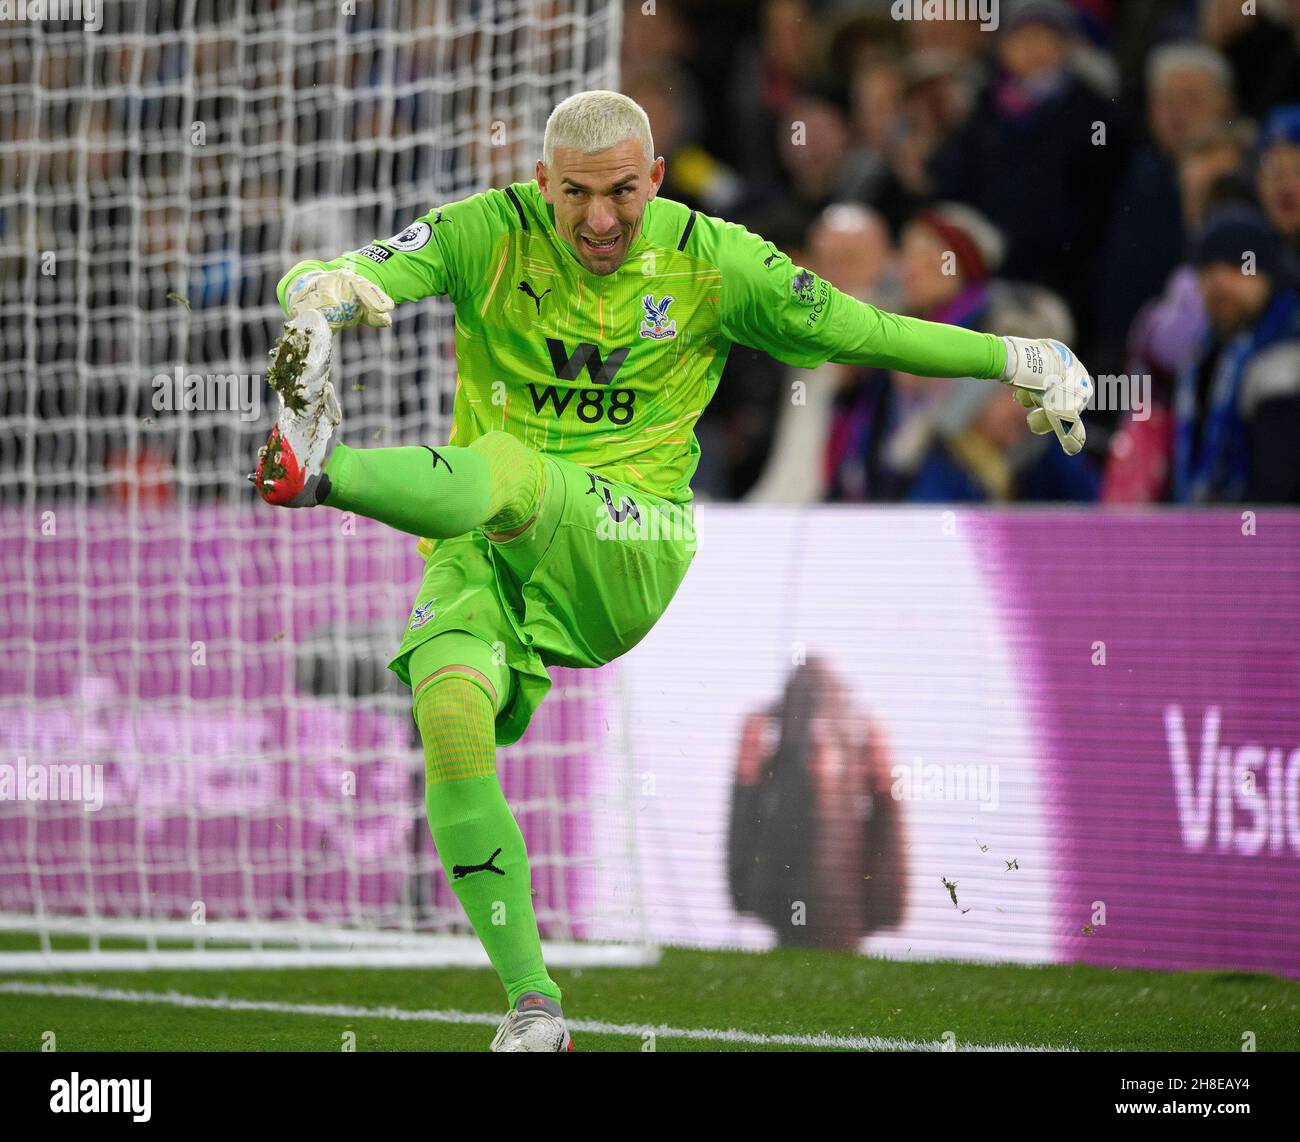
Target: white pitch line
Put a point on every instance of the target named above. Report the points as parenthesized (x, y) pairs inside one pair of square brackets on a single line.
[(595, 1027)]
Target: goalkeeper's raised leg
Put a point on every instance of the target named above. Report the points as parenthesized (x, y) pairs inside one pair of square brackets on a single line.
[(460, 683)]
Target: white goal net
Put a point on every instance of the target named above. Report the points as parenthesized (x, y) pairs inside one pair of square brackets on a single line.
[(203, 760)]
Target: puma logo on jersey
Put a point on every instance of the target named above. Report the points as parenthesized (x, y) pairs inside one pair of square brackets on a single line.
[(525, 287)]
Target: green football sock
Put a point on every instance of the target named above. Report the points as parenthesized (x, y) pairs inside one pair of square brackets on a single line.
[(478, 840), (496, 482)]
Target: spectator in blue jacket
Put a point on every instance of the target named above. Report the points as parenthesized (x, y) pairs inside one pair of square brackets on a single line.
[(1278, 177), (1237, 405)]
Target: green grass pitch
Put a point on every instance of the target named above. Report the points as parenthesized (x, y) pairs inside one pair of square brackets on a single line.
[(779, 1000)]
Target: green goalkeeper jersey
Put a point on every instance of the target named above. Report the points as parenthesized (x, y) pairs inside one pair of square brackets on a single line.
[(612, 372)]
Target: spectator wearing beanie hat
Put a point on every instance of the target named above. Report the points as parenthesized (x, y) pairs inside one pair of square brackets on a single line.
[(948, 253), (1237, 405), (1278, 178), (1166, 332), (977, 450)]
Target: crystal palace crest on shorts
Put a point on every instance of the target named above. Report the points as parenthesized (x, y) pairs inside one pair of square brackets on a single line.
[(422, 614)]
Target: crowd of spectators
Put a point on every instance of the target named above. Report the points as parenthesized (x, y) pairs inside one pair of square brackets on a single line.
[(1124, 177)]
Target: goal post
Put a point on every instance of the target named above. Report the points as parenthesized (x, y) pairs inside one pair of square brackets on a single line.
[(203, 760)]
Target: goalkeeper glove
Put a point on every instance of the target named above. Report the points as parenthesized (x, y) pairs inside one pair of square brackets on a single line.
[(342, 297), (1052, 383)]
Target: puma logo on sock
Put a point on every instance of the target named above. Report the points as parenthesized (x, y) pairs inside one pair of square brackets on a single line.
[(437, 459), (459, 871)]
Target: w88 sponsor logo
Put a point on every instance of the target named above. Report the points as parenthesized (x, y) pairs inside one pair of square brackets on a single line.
[(591, 405)]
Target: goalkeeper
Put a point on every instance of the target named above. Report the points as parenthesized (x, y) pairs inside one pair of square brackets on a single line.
[(592, 322)]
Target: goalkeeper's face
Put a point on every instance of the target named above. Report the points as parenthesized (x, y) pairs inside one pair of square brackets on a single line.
[(600, 200)]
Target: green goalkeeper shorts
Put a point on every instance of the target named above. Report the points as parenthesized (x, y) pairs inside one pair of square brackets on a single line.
[(581, 586)]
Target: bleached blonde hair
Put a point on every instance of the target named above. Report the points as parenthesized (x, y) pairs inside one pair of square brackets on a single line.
[(594, 121)]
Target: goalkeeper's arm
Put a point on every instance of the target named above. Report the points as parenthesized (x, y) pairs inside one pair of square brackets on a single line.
[(361, 287), (1047, 377), (433, 256), (770, 303)]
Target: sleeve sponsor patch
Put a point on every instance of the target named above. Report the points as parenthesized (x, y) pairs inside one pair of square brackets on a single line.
[(375, 253)]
